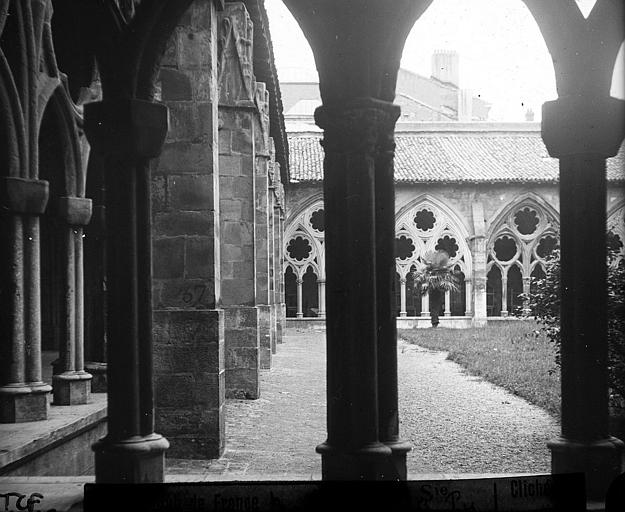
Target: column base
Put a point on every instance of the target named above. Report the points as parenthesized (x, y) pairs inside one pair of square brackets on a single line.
[(71, 388), (24, 402), (601, 461), (399, 451), (370, 462), (98, 374), (139, 459), (479, 322)]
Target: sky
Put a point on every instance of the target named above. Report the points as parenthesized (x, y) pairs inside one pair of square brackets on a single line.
[(503, 57)]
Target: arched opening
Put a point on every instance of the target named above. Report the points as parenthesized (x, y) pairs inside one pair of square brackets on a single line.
[(458, 299), (493, 291), (514, 289), (537, 273), (310, 293), (413, 297), (290, 292)]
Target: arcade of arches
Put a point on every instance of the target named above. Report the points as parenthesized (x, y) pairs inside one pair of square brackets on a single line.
[(155, 130), (516, 244)]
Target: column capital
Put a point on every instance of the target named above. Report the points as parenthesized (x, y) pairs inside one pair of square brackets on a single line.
[(402, 280), (127, 127), (362, 125), (574, 125), (21, 195)]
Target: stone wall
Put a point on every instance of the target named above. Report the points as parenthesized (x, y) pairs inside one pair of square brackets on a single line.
[(213, 230), (188, 323)]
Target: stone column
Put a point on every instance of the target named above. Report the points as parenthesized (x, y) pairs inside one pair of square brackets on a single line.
[(425, 304), (385, 115), (447, 311), (402, 297), (582, 132), (72, 385), (526, 293), (504, 293), (23, 394), (468, 287), (129, 132), (299, 313), (353, 449), (322, 298)]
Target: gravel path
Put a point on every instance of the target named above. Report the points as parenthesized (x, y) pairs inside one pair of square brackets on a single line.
[(455, 422)]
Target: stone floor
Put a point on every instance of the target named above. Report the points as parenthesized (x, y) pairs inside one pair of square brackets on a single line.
[(455, 422)]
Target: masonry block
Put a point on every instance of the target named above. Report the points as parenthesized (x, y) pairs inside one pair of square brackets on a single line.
[(199, 258), (71, 388), (186, 157), (168, 257), (172, 390), (237, 291), (184, 293), (18, 408), (189, 122), (176, 223), (242, 383), (264, 335), (191, 192), (229, 165), (195, 357), (194, 48), (242, 351), (159, 193), (175, 85), (187, 326)]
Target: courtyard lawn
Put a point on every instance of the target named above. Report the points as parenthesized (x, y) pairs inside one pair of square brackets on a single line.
[(508, 355)]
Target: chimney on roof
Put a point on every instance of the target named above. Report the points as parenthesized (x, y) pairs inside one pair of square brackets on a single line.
[(446, 67), (465, 105)]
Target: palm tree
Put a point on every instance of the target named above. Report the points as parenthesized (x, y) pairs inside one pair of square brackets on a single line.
[(435, 277)]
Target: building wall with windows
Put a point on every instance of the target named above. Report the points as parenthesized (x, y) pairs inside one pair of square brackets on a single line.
[(487, 194)]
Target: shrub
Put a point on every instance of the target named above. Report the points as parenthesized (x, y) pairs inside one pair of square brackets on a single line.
[(544, 305)]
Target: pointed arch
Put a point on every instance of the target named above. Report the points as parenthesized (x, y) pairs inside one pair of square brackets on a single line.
[(442, 228), (529, 198)]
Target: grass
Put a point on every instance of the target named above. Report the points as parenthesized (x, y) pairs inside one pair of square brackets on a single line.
[(508, 355)]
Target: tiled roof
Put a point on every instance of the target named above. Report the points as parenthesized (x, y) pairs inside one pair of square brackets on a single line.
[(458, 157)]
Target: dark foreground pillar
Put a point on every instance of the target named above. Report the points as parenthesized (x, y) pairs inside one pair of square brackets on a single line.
[(128, 133), (385, 298), (582, 132), (353, 450)]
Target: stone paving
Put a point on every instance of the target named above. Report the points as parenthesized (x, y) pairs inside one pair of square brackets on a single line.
[(456, 423)]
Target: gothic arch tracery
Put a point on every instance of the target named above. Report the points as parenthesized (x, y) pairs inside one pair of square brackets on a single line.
[(426, 225), (423, 226), (519, 243)]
